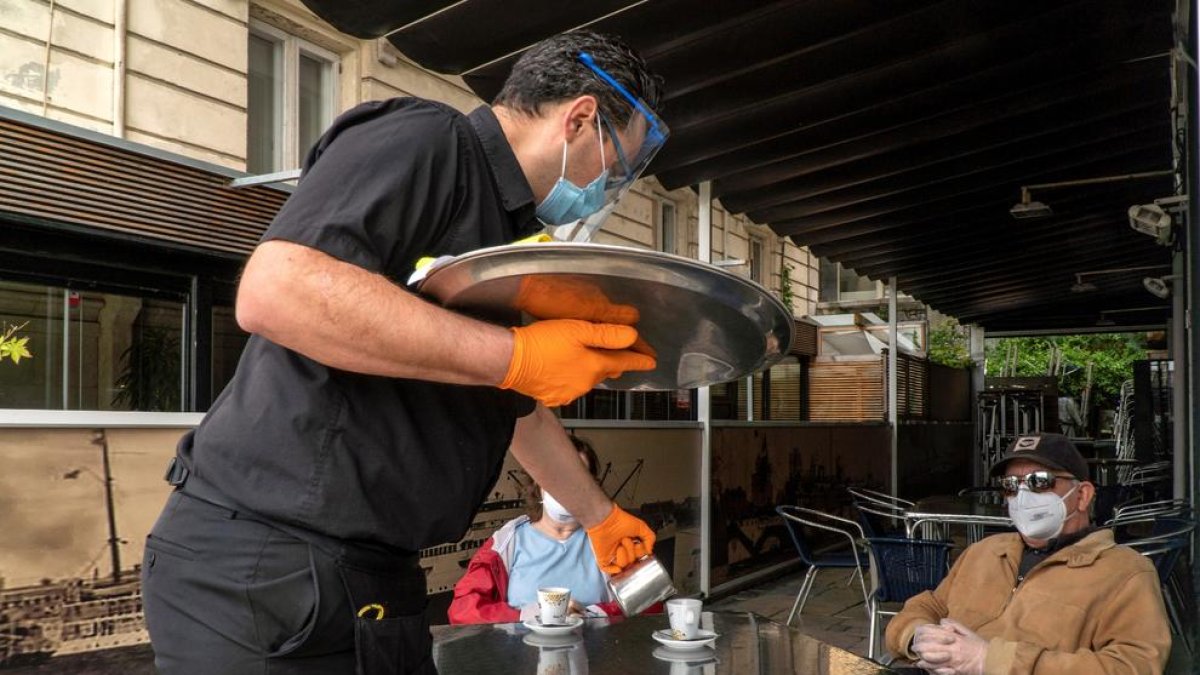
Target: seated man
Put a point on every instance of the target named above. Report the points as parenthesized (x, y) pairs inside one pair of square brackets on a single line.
[(1059, 596), (545, 548)]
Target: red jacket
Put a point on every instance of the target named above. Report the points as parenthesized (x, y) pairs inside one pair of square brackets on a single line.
[(481, 596)]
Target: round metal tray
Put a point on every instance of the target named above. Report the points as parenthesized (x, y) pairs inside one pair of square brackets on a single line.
[(705, 325)]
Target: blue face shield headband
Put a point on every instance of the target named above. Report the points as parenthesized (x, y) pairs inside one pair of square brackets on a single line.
[(643, 124)]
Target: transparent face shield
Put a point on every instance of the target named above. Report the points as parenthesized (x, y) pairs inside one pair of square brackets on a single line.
[(636, 144)]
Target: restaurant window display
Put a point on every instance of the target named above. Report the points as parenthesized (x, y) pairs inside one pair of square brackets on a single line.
[(92, 349)]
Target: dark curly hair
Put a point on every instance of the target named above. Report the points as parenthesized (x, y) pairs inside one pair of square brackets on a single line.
[(551, 71), (532, 492)]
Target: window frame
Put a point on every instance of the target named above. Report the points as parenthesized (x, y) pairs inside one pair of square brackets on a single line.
[(756, 254), (288, 153)]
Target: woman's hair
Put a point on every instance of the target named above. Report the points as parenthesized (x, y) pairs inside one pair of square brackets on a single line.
[(532, 492)]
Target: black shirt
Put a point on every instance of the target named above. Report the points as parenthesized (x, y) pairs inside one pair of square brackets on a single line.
[(1030, 557), (402, 463)]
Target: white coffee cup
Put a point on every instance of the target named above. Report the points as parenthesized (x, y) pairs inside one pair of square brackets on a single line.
[(684, 614), (553, 603)]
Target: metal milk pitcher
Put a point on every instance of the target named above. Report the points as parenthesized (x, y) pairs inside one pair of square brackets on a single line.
[(640, 585)]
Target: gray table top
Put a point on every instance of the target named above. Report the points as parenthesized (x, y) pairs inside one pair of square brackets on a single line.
[(748, 643)]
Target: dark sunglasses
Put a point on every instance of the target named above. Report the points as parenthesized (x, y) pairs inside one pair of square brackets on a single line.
[(1038, 481)]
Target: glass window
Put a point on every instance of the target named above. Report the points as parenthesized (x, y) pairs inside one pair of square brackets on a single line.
[(853, 287), (828, 291), (265, 106), (316, 100), (756, 260), (228, 341), (292, 96), (93, 350), (667, 233)]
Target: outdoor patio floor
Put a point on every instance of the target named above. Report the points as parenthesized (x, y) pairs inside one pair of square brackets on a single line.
[(835, 614)]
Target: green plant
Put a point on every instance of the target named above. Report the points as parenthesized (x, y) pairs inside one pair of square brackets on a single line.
[(150, 380), (949, 345), (785, 287), (1111, 355), (13, 347)]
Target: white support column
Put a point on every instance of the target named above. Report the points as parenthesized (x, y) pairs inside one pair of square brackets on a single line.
[(704, 411), (893, 384)]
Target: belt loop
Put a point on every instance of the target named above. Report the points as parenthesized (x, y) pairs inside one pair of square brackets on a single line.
[(177, 473)]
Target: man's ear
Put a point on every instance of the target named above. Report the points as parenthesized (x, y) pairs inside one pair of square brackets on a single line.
[(1087, 494), (580, 116)]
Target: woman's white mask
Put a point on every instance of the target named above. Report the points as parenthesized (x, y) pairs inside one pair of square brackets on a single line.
[(555, 510)]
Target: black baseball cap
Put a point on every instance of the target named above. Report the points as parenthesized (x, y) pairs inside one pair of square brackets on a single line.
[(1053, 450)]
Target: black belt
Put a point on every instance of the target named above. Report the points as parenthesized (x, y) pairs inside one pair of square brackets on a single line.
[(369, 557)]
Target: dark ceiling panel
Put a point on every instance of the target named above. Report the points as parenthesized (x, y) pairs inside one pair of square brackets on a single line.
[(889, 136)]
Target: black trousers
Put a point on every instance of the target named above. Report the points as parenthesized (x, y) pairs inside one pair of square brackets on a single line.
[(228, 594)]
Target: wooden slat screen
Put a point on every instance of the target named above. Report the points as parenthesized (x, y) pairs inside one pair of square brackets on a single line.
[(847, 390), (912, 374), (804, 339), (53, 175)]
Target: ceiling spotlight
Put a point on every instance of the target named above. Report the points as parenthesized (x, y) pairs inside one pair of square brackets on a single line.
[(1081, 286), (1159, 286), (1027, 208), (1151, 220)]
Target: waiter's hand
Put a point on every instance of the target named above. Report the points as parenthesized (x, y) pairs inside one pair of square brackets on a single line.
[(619, 540), (571, 299), (559, 360)]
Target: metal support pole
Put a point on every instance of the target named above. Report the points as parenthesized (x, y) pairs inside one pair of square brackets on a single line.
[(893, 384), (704, 411), (100, 438), (1178, 379), (978, 375)]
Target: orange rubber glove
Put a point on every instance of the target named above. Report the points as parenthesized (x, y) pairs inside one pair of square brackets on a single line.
[(558, 298), (557, 361), (620, 540)]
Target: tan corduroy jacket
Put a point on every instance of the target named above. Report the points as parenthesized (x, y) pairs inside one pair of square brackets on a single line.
[(1090, 608)]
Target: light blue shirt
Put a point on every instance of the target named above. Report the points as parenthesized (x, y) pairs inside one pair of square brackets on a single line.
[(539, 560)]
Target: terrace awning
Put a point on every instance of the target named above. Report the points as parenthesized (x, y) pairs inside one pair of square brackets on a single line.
[(892, 137)]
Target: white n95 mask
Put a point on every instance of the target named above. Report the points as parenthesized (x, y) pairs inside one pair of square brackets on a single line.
[(1039, 515)]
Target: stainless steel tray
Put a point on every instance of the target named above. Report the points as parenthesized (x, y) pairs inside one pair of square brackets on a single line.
[(706, 325)]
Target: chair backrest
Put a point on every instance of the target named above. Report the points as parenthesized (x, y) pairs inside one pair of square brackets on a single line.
[(880, 498), (1164, 554), (796, 518), (1152, 530), (878, 520), (1162, 506), (902, 568)]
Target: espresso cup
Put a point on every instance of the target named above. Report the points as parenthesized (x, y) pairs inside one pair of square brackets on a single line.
[(553, 603), (684, 614)]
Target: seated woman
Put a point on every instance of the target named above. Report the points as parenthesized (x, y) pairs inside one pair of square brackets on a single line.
[(547, 547)]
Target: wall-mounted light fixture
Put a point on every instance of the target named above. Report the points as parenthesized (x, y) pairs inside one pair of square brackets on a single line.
[(1029, 208)]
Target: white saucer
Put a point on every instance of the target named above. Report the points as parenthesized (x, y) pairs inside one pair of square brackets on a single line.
[(535, 624), (553, 642), (704, 638), (690, 657)]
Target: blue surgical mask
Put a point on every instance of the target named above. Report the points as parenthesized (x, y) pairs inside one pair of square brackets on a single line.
[(567, 202)]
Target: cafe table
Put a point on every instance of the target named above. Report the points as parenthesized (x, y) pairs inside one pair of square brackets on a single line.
[(973, 510), (746, 644)]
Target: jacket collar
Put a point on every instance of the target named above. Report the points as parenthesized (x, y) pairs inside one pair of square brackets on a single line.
[(506, 171), (1080, 554)]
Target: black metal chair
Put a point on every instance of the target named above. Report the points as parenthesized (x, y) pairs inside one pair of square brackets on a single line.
[(797, 518), (900, 569)]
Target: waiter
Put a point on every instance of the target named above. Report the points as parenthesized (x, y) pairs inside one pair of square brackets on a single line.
[(364, 423)]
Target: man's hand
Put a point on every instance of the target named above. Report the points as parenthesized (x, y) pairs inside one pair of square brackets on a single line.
[(620, 540), (557, 361), (559, 298), (949, 649)]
